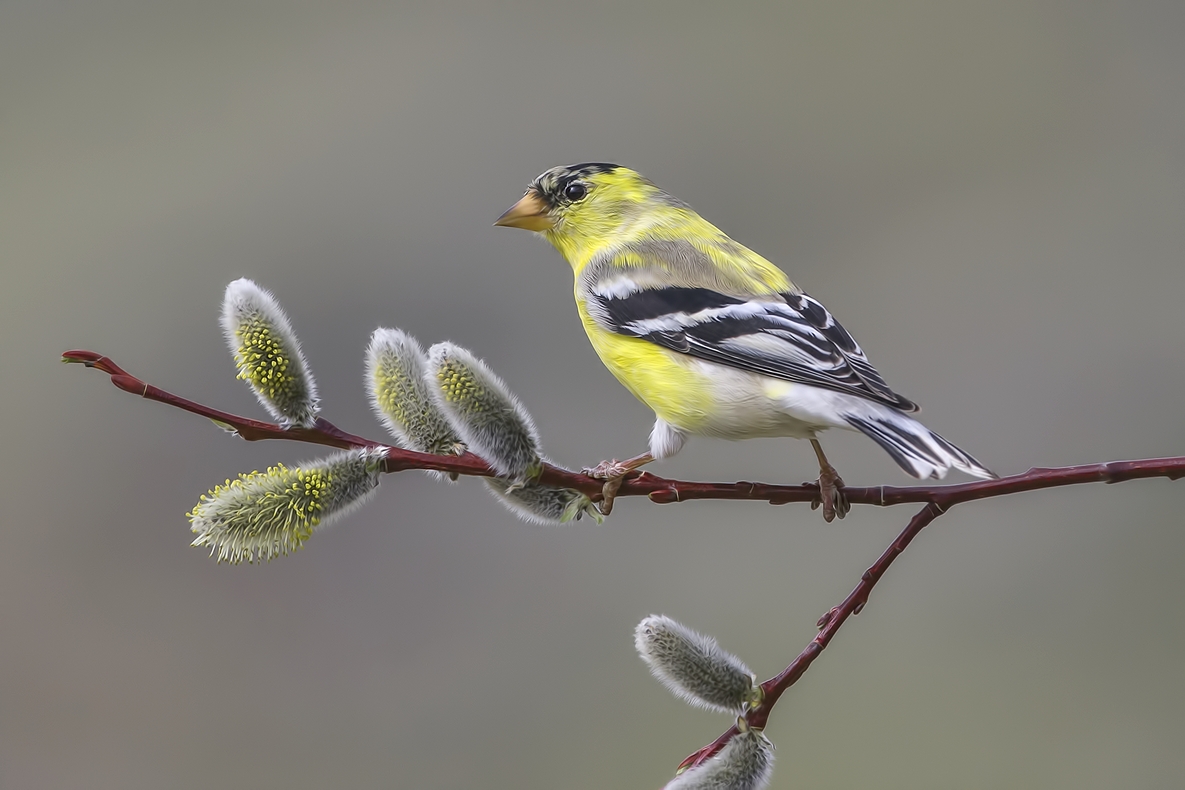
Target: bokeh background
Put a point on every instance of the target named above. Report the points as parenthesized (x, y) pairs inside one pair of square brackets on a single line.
[(990, 196)]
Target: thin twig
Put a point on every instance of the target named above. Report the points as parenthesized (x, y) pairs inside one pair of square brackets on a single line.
[(828, 625)]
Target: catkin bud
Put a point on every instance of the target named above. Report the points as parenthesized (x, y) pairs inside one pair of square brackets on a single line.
[(400, 395), (746, 762), (541, 504), (488, 418), (268, 354), (694, 667), (262, 515)]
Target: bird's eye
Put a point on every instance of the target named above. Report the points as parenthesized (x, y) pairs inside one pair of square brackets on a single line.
[(575, 191)]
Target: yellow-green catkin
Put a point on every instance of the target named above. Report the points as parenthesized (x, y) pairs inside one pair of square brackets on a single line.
[(400, 396), (746, 762), (488, 418), (262, 515), (268, 354)]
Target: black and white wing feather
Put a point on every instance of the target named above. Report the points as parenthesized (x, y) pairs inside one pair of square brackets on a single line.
[(787, 336)]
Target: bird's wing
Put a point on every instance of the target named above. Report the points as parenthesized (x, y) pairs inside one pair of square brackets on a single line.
[(787, 336)]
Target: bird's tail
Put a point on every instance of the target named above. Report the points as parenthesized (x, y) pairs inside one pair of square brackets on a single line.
[(914, 447)]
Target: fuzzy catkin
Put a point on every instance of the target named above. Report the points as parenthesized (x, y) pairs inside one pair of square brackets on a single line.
[(262, 515), (694, 666), (396, 380), (540, 504), (489, 419), (267, 354), (746, 762)]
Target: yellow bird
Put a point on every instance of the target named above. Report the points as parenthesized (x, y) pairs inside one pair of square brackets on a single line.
[(712, 336)]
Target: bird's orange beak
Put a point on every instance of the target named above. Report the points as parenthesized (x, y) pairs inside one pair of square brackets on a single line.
[(530, 213)]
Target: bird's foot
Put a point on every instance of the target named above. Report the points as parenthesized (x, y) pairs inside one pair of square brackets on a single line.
[(609, 494), (831, 495), (614, 473), (607, 470)]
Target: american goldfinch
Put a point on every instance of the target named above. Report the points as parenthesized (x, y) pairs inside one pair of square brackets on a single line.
[(712, 336)]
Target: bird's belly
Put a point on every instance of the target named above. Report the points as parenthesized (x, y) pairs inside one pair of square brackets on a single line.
[(751, 406)]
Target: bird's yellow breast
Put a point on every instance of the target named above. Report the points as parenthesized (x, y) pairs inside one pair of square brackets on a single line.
[(672, 386)]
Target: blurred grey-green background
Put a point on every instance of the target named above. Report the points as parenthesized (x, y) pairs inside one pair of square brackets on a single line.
[(990, 196)]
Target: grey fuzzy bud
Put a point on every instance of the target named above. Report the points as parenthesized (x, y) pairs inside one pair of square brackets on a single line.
[(693, 666), (262, 515), (746, 762), (541, 504), (400, 395), (268, 354), (488, 418)]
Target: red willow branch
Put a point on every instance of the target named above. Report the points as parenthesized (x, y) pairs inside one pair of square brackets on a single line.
[(938, 500), (659, 489)]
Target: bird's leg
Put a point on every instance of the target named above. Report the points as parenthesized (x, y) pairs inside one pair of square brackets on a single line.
[(831, 495), (613, 473)]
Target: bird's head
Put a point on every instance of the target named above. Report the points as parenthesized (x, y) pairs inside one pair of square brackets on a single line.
[(580, 208)]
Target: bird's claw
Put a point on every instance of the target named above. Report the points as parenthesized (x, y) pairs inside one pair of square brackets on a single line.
[(609, 493), (831, 496), (613, 473), (607, 470)]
